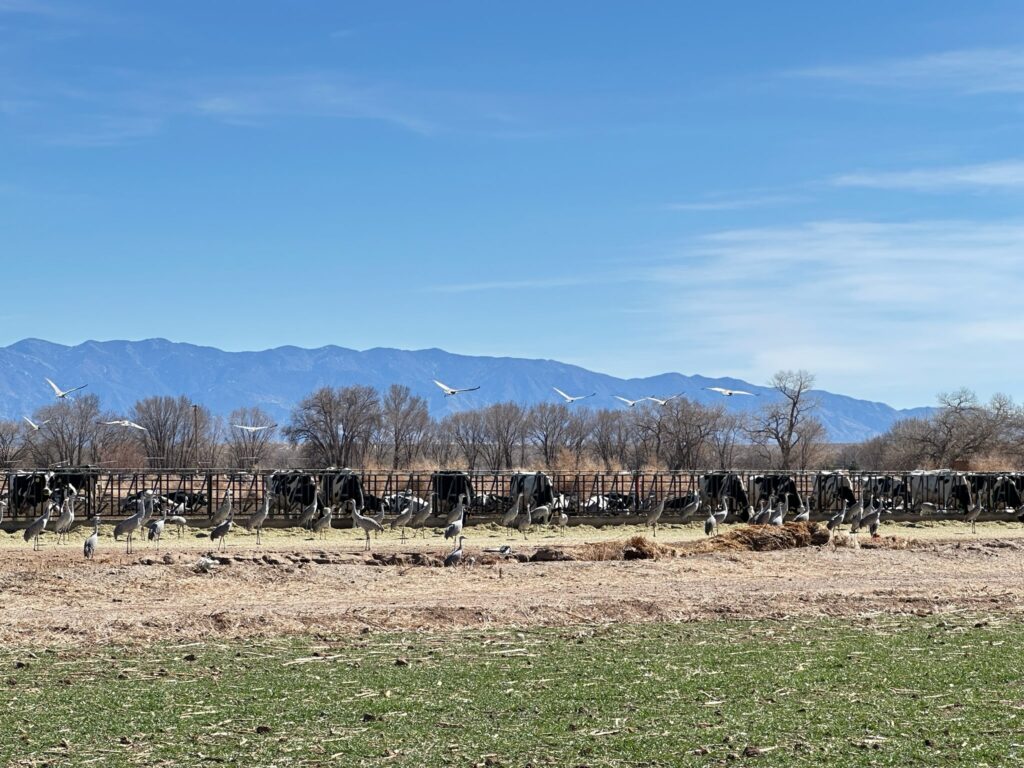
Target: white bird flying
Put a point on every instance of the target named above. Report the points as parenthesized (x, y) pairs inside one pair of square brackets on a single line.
[(32, 425), (629, 403), (730, 392), (253, 429), (449, 391), (661, 401), (570, 398), (126, 423), (61, 393)]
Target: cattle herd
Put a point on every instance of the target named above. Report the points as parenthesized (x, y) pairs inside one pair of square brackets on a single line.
[(290, 494)]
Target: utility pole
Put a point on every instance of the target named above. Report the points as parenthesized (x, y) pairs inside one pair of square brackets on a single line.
[(195, 433)]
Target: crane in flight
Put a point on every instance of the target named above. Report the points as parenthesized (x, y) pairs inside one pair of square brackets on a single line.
[(248, 428), (62, 393), (449, 391), (730, 392), (569, 399), (629, 403), (661, 401), (126, 423), (32, 425)]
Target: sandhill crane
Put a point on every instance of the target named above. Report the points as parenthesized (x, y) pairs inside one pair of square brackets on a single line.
[(761, 517), (730, 392), (222, 530), (778, 517), (361, 521), (32, 425), (178, 518), (837, 519), (873, 518), (89, 548), (421, 517), (378, 518), (856, 514), (454, 528), (972, 516), (309, 513), (128, 526), (66, 519), (720, 516), (155, 529), (323, 523), (570, 399), (803, 515), (257, 518), (508, 519), (37, 526), (655, 515), (455, 556), (404, 517), (524, 521), (690, 509), (710, 524), (563, 521), (62, 393), (449, 391), (458, 511), (224, 510)]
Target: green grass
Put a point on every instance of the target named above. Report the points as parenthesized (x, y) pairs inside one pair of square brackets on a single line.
[(932, 691)]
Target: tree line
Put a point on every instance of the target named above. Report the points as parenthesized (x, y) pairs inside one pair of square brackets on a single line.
[(358, 426)]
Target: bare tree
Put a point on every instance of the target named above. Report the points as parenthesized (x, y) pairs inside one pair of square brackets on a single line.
[(468, 433), (724, 438), (547, 424), (179, 433), (405, 423), (782, 424), (70, 434), (246, 448), (503, 428), (577, 434), (12, 443), (610, 439), (688, 427), (335, 425)]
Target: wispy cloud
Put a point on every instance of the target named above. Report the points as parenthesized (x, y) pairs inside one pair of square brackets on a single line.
[(105, 131), (734, 204), (1002, 175), (901, 303), (979, 70), (542, 283)]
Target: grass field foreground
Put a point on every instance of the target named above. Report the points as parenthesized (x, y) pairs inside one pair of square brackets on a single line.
[(888, 691)]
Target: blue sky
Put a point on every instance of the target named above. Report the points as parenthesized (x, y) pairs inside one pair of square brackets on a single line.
[(723, 189)]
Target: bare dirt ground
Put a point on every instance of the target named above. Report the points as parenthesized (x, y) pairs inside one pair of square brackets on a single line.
[(293, 584)]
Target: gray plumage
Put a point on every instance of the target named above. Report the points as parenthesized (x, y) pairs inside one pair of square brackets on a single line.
[(455, 556), (525, 521), (655, 515), (972, 516), (690, 509), (509, 518), (66, 519), (455, 528), (224, 510), (37, 526), (128, 526), (309, 513), (778, 517), (323, 523), (421, 517), (222, 530), (710, 524), (89, 548), (458, 511), (837, 519), (257, 518), (367, 524)]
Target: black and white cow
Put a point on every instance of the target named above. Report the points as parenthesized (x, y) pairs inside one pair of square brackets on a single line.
[(767, 488), (29, 489), (716, 486), (536, 488), (887, 490), (996, 491), (341, 485), (291, 489), (193, 501), (830, 490), (941, 488), (449, 485)]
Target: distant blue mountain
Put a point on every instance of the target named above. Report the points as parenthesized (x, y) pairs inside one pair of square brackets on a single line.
[(121, 372)]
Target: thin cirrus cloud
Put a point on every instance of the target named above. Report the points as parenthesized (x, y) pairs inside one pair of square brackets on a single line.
[(848, 298), (1007, 175), (978, 70), (733, 204)]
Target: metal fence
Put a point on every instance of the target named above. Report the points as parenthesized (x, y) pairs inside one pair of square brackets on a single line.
[(633, 492)]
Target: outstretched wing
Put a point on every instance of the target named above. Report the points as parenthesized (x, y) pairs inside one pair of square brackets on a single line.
[(627, 402), (56, 389), (444, 387), (567, 397), (30, 422)]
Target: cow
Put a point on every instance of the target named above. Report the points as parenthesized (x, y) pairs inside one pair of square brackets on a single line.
[(996, 491), (342, 485), (831, 489), (192, 501), (290, 489), (716, 487), (773, 488), (536, 489), (886, 489), (29, 489), (449, 485), (941, 489)]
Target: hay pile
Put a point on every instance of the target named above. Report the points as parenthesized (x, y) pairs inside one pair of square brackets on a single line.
[(766, 538), (636, 548)]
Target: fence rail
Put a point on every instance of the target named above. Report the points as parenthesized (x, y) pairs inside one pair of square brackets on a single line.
[(108, 488)]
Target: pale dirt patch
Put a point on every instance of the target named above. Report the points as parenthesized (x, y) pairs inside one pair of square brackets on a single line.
[(56, 597)]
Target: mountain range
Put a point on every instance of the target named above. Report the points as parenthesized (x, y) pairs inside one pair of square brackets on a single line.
[(122, 372)]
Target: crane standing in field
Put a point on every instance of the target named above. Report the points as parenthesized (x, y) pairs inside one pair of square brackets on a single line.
[(367, 524), (66, 519), (455, 556), (222, 530), (420, 520), (37, 526), (224, 511), (155, 529), (455, 526), (524, 521), (509, 518), (655, 515), (89, 548), (128, 526), (405, 517), (256, 520), (322, 524)]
